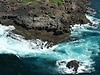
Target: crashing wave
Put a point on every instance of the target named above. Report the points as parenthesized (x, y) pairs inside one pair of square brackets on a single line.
[(16, 44)]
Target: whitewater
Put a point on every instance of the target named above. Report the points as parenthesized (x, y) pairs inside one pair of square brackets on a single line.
[(83, 50)]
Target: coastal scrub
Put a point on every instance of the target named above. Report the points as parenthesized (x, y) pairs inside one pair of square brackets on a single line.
[(56, 1), (32, 1), (35, 1)]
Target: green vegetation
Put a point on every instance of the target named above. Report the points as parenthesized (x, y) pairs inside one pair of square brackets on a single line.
[(26, 1), (56, 1), (34, 1)]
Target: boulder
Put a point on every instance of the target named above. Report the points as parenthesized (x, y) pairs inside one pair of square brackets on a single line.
[(73, 64)]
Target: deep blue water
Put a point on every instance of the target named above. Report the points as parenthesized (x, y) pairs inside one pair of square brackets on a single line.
[(19, 58), (95, 4)]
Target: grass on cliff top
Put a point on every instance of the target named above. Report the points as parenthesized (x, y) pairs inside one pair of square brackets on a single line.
[(56, 1), (35, 2), (26, 1)]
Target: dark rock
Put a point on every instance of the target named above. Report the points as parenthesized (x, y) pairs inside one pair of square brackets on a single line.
[(58, 32), (12, 17), (73, 64), (9, 17)]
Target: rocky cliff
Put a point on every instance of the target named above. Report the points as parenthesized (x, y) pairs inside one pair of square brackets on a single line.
[(44, 20)]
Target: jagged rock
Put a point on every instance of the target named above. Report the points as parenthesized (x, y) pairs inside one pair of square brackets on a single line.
[(58, 32)]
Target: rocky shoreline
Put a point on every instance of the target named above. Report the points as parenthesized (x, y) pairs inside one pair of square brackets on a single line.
[(45, 20)]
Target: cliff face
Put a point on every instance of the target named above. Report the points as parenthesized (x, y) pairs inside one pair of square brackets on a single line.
[(44, 20)]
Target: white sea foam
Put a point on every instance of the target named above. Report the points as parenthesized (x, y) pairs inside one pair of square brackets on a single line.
[(94, 20)]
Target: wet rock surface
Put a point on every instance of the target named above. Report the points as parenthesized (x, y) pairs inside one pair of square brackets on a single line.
[(73, 64), (45, 20)]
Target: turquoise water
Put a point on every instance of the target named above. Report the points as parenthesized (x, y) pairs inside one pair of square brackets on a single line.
[(29, 59)]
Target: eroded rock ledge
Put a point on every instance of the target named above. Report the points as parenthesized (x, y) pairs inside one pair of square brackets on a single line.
[(45, 20)]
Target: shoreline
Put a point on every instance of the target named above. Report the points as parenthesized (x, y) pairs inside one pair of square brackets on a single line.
[(46, 21)]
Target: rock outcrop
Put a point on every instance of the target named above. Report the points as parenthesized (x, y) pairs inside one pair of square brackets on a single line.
[(73, 64), (44, 20)]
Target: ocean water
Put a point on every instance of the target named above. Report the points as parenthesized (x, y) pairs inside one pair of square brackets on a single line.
[(32, 57), (95, 4)]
